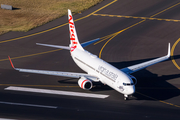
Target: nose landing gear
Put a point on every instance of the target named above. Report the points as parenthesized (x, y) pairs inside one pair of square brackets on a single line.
[(126, 97)]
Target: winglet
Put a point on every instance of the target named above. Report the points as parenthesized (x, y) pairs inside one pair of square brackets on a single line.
[(169, 51), (11, 62)]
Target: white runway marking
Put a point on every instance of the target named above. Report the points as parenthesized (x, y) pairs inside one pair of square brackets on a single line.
[(29, 105), (6, 119), (56, 92)]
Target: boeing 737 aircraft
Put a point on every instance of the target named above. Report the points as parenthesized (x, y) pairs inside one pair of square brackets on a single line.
[(96, 69)]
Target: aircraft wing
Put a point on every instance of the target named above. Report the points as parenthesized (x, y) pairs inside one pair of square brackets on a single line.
[(135, 68), (57, 73)]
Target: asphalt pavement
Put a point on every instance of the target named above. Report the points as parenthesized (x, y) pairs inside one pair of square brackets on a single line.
[(131, 32)]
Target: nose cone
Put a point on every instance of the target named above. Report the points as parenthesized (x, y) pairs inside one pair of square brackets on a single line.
[(130, 90)]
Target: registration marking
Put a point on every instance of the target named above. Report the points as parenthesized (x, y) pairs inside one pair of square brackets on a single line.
[(56, 92)]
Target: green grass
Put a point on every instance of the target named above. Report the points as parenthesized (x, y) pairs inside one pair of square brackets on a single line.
[(33, 13)]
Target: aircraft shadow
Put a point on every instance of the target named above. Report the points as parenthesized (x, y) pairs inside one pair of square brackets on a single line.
[(68, 81), (150, 86), (97, 86)]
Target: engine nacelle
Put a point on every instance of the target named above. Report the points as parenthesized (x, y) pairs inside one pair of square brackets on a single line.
[(134, 79), (84, 83)]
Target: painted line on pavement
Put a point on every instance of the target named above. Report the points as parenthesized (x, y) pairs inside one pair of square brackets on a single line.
[(135, 17), (117, 33), (56, 92), (7, 119), (159, 100), (30, 55), (37, 33), (114, 35), (29, 105), (100, 53), (23, 85), (172, 54)]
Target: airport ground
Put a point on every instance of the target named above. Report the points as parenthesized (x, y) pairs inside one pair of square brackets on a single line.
[(131, 32)]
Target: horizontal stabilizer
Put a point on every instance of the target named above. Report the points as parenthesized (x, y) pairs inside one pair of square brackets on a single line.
[(66, 47), (89, 42), (55, 46)]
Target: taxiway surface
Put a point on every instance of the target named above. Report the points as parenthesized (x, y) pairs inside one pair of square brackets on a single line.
[(131, 32)]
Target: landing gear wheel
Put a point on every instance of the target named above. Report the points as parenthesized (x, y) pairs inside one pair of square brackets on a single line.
[(125, 97)]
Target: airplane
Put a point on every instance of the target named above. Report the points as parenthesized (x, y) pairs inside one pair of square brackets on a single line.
[(97, 70)]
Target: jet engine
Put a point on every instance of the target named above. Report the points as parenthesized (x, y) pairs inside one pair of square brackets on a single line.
[(134, 79), (84, 83)]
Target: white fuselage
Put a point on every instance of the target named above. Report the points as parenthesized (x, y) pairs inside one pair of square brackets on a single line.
[(106, 73)]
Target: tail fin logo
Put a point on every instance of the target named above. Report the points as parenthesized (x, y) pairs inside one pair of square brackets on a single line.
[(72, 34)]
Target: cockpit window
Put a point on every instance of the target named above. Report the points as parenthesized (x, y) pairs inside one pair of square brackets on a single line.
[(128, 84)]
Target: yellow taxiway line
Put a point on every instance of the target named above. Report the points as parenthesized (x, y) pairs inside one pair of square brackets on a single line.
[(135, 17), (18, 38), (104, 38)]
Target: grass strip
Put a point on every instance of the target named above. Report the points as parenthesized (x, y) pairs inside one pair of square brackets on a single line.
[(29, 14)]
